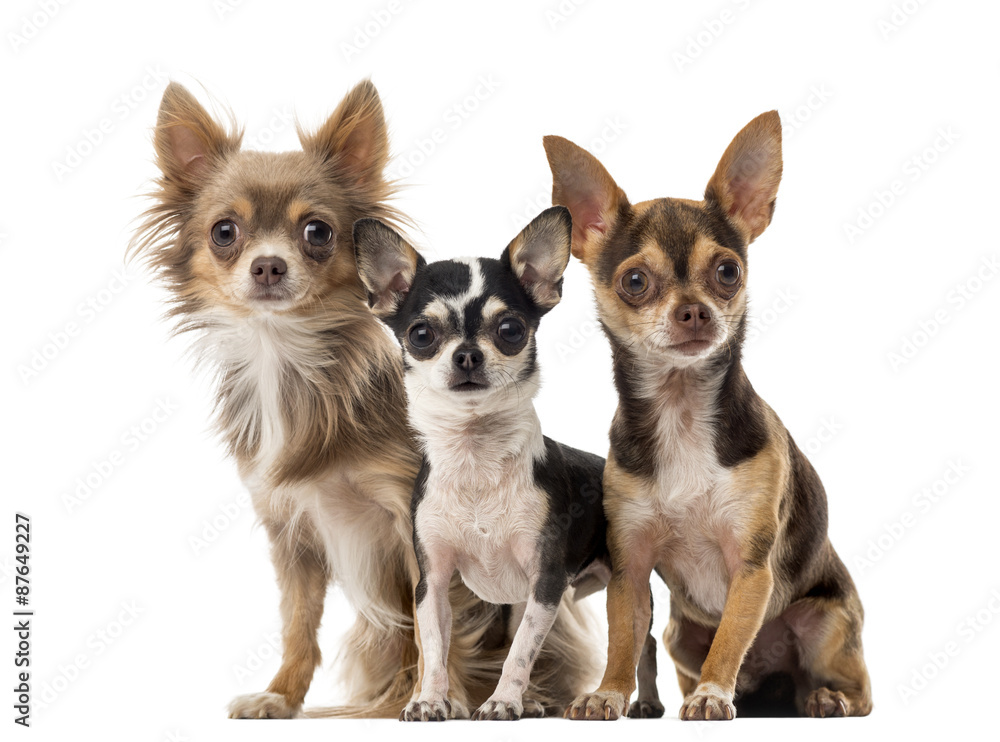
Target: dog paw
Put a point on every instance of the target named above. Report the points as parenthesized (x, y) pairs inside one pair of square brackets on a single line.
[(262, 706), (602, 706), (498, 710), (435, 709), (708, 703), (532, 709), (645, 710), (824, 702)]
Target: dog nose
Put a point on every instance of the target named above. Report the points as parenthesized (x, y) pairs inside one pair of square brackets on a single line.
[(468, 358), (268, 271), (693, 316)]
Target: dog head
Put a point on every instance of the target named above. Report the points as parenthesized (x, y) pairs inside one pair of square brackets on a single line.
[(670, 274), (258, 233), (467, 327)]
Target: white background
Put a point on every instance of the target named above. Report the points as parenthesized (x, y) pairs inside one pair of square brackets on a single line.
[(657, 90)]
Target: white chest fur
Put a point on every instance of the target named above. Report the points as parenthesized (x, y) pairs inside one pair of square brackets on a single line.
[(491, 537), (696, 508), (481, 509), (256, 357)]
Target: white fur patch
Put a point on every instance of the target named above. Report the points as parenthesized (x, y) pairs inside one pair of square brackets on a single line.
[(253, 354), (476, 286), (696, 506), (481, 500)]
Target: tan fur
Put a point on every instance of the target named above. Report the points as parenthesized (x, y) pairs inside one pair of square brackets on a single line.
[(746, 179)]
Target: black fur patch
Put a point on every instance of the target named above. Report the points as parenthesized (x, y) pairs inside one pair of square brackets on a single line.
[(575, 528), (805, 559), (450, 278), (633, 429), (740, 430), (419, 487)]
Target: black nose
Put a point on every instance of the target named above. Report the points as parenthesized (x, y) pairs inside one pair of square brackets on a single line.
[(268, 271), (468, 358), (693, 316)]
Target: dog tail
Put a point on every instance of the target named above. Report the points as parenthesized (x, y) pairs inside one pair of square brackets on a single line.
[(386, 705), (567, 665), (379, 667)]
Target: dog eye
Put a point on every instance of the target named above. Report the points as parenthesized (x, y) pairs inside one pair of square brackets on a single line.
[(318, 233), (728, 273), (421, 335), (224, 233), (635, 282), (511, 330)]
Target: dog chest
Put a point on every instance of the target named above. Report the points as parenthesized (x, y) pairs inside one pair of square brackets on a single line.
[(493, 534), (695, 509)]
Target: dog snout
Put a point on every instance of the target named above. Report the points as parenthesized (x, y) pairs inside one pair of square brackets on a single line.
[(268, 271), (468, 358), (693, 317)]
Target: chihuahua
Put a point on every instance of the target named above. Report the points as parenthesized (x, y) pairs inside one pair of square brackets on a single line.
[(703, 483), (516, 514), (256, 248)]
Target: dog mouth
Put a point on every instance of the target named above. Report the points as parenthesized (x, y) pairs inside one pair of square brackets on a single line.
[(691, 347), (269, 296), (468, 386)]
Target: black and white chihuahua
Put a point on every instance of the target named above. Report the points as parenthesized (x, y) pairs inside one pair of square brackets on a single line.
[(518, 515)]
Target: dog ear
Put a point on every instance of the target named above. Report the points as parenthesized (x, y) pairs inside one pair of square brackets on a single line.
[(745, 183), (539, 254), (581, 183), (188, 141), (386, 264), (354, 139)]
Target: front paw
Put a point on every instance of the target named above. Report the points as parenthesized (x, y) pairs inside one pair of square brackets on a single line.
[(602, 706), (496, 709), (262, 706), (533, 709), (433, 709), (709, 702), (645, 710)]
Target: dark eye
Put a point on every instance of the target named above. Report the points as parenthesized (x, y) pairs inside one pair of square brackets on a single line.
[(224, 233), (421, 335), (318, 233), (635, 282), (728, 273), (511, 330)]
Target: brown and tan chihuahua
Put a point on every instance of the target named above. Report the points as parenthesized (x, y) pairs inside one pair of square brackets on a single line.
[(703, 482)]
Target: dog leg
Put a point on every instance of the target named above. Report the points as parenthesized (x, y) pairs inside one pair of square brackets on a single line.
[(302, 578), (742, 617), (433, 621), (628, 624), (505, 703), (829, 632), (687, 644), (647, 705)]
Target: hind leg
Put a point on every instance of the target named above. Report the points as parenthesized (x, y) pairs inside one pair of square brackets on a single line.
[(647, 705), (687, 644), (686, 683), (829, 633)]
